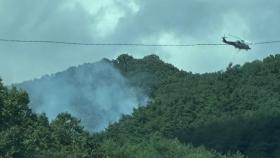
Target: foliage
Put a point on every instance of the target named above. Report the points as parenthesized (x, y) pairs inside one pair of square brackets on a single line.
[(159, 147), (235, 110), (25, 134), (219, 115)]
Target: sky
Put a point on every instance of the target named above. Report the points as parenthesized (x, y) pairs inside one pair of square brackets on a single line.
[(132, 21)]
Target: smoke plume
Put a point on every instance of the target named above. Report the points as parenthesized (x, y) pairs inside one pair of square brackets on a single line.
[(95, 93)]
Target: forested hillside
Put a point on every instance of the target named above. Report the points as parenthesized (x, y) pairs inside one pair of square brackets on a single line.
[(215, 115), (235, 110)]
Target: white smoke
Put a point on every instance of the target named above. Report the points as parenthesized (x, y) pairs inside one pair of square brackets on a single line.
[(95, 93)]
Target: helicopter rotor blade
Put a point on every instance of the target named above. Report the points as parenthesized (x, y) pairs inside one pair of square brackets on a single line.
[(246, 41), (235, 36)]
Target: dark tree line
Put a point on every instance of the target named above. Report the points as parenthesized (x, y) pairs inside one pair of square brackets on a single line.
[(215, 115)]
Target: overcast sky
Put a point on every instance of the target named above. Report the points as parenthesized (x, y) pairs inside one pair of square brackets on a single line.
[(132, 21)]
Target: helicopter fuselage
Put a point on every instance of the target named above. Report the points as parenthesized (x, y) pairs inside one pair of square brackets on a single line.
[(237, 44)]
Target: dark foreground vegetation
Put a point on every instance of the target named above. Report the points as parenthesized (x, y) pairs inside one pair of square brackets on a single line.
[(215, 115)]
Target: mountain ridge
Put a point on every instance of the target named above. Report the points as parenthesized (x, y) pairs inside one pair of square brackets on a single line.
[(223, 114)]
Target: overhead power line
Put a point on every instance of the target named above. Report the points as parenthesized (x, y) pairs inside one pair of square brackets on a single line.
[(267, 42), (123, 44), (107, 44)]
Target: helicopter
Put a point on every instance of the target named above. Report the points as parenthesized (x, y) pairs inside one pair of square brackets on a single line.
[(239, 44)]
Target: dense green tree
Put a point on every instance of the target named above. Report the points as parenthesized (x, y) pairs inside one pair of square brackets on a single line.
[(220, 114), (158, 147), (184, 105), (25, 134)]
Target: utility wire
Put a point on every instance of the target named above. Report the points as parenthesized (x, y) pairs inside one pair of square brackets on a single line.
[(107, 44), (123, 44), (267, 42)]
